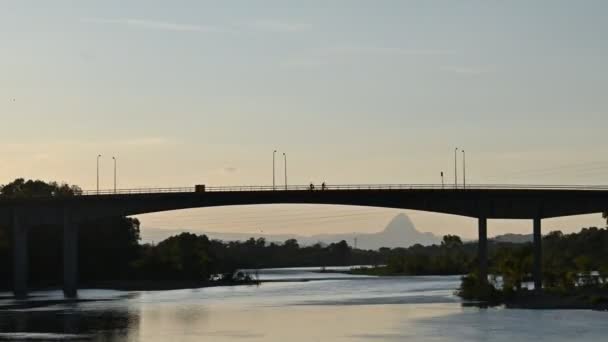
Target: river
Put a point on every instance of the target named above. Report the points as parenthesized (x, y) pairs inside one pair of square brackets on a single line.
[(327, 307)]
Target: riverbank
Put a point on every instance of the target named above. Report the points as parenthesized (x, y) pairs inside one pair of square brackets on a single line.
[(150, 285), (163, 285), (383, 271)]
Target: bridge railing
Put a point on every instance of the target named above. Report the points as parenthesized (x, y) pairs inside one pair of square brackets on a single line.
[(135, 191), (317, 187)]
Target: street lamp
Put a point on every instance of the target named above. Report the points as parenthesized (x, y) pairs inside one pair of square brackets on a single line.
[(456, 168), (114, 158), (285, 163), (98, 156), (273, 169), (464, 170)]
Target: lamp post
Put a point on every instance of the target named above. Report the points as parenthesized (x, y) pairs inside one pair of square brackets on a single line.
[(114, 158), (285, 163), (464, 170), (273, 169), (98, 156), (456, 168)]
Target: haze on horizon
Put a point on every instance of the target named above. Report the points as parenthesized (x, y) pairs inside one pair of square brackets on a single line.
[(353, 91)]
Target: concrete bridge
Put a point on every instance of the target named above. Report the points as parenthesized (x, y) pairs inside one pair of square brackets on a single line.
[(479, 201)]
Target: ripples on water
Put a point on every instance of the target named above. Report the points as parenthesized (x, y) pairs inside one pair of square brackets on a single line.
[(345, 308)]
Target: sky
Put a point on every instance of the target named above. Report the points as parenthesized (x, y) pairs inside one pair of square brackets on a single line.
[(202, 92)]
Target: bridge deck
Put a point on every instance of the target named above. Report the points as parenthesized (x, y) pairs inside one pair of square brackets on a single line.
[(447, 187), (487, 201)]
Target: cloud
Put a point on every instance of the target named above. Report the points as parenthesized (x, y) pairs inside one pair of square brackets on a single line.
[(42, 156), (280, 26), (468, 70), (63, 144), (154, 25), (303, 63), (330, 55), (228, 170), (145, 141), (381, 50), (275, 26)]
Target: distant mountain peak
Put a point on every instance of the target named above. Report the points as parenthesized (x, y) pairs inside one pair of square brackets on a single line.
[(400, 224), (399, 232)]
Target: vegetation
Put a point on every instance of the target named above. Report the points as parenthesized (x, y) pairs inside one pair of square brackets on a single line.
[(452, 257), (20, 188), (574, 272)]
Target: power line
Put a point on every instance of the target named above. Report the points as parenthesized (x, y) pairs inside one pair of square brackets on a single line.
[(284, 214), (301, 220)]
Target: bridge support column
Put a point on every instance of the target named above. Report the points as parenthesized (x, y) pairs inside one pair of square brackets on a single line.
[(482, 249), (538, 255), (70, 257), (20, 255)]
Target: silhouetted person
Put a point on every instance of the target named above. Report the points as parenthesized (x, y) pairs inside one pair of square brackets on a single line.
[(312, 186), (323, 186)]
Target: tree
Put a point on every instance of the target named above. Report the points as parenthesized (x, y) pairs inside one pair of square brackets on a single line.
[(291, 243), (108, 248), (37, 188), (451, 241), (185, 256), (513, 266)]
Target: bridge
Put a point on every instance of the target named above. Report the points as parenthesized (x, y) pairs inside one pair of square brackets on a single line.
[(482, 202)]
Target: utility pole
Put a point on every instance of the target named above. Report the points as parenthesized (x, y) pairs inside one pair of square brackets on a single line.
[(285, 163), (464, 171), (98, 156), (456, 168), (114, 158), (273, 170)]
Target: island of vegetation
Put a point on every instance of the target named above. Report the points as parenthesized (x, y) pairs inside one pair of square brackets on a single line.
[(575, 270), (575, 266)]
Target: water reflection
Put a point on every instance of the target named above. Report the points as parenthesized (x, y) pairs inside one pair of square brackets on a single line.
[(68, 324), (347, 309)]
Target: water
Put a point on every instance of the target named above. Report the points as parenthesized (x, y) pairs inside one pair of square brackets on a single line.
[(340, 308)]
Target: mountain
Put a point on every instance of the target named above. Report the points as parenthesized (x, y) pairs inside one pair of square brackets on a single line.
[(400, 232), (513, 238)]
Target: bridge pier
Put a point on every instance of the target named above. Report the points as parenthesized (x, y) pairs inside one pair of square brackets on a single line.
[(70, 257), (20, 256), (538, 255), (482, 248)]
